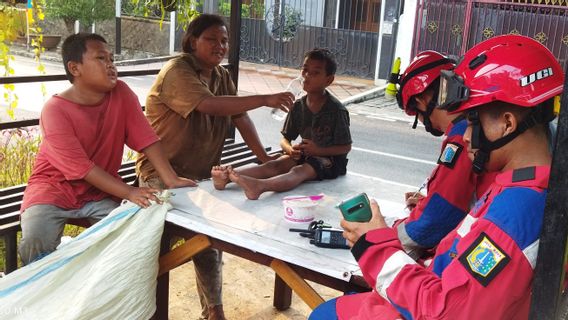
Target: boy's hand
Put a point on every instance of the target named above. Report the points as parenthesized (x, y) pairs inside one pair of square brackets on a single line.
[(296, 152), (352, 231), (282, 101), (309, 147), (181, 182), (412, 199), (142, 196)]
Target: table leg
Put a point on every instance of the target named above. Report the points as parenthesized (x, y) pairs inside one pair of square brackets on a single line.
[(299, 285), (183, 253), (282, 294)]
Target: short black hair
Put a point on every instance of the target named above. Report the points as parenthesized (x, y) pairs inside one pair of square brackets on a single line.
[(75, 46), (543, 113), (325, 56), (197, 26)]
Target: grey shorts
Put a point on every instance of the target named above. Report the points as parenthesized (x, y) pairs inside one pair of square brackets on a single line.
[(326, 167)]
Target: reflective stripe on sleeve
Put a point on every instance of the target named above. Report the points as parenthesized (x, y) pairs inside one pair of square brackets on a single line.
[(531, 253), (390, 270), (465, 227)]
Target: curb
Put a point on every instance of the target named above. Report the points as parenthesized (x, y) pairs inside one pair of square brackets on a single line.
[(132, 62), (54, 56), (364, 96), (28, 54)]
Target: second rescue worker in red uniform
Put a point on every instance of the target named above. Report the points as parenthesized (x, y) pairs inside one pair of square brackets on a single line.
[(452, 186), (483, 269)]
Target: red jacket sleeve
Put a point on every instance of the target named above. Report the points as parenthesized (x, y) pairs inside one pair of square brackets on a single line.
[(419, 292)]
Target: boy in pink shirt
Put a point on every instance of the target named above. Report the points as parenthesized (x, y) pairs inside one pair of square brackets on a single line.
[(84, 131)]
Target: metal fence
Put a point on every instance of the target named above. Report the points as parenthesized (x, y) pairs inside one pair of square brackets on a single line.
[(355, 51), (279, 32), (453, 27)]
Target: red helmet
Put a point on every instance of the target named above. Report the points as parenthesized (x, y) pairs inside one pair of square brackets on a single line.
[(510, 68), (422, 71)]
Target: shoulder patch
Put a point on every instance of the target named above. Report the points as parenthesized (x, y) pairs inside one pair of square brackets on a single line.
[(450, 154), (484, 259), (524, 174)]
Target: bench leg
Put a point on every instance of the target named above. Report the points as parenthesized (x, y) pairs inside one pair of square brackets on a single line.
[(11, 244), (163, 286), (299, 285), (282, 294), (183, 253)]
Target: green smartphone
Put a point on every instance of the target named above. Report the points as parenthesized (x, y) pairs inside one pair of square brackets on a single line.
[(356, 209)]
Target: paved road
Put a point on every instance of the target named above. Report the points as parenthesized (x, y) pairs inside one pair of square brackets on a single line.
[(385, 147)]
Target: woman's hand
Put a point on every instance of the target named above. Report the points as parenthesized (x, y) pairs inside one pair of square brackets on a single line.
[(282, 101), (180, 182), (352, 231)]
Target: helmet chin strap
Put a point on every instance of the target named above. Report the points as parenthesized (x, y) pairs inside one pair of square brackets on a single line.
[(426, 117), (484, 147)]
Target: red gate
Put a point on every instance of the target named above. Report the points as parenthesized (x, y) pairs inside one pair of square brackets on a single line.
[(454, 26)]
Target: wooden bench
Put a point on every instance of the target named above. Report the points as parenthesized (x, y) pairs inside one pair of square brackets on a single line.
[(234, 154)]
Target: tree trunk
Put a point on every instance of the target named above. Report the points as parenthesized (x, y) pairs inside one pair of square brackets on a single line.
[(69, 25)]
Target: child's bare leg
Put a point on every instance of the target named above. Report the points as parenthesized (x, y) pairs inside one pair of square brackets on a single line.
[(291, 179), (255, 187), (220, 176), (250, 185), (268, 169)]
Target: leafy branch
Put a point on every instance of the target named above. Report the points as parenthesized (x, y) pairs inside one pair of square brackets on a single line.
[(185, 10), (11, 17)]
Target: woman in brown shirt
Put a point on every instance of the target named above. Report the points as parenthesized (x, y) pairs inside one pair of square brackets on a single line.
[(191, 105)]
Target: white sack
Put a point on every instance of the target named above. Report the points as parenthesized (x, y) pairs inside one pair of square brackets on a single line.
[(108, 272)]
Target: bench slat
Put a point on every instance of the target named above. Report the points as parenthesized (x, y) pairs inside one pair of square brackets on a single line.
[(235, 151), (9, 210), (10, 227), (12, 190), (9, 199), (234, 146)]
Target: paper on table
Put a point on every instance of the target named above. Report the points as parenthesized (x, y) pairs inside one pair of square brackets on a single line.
[(392, 211)]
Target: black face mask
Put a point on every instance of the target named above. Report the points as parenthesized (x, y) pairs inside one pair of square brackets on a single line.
[(426, 117)]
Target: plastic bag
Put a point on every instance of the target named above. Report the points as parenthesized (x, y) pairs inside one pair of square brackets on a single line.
[(107, 272)]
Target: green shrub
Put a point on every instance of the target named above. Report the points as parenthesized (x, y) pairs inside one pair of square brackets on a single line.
[(253, 10), (18, 148)]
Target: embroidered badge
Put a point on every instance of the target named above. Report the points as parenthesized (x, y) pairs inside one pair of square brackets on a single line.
[(484, 259), (450, 154)]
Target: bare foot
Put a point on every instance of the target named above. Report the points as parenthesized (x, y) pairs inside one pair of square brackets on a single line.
[(220, 176), (249, 185)]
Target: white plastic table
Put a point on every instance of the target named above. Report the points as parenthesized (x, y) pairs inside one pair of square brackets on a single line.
[(256, 230)]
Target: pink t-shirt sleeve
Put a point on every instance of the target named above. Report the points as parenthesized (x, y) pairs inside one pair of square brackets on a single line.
[(139, 133), (63, 149)]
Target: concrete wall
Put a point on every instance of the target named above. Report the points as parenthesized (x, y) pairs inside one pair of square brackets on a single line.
[(140, 37)]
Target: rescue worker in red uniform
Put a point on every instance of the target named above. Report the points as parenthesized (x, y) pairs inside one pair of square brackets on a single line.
[(484, 268), (452, 186)]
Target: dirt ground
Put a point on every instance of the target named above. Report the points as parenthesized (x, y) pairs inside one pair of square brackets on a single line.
[(247, 293)]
